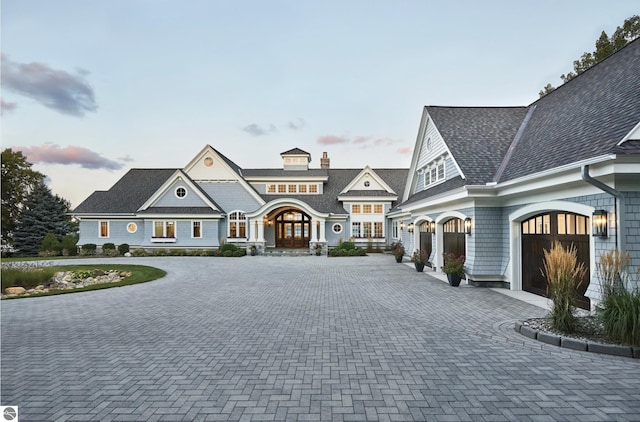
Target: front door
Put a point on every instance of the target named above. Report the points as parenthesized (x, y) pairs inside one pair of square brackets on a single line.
[(292, 229)]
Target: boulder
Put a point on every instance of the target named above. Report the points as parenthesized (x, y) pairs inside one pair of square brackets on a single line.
[(14, 290)]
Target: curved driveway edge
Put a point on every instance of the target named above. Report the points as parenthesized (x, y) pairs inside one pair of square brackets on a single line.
[(304, 338)]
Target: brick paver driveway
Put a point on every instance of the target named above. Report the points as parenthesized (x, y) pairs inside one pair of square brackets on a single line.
[(260, 338)]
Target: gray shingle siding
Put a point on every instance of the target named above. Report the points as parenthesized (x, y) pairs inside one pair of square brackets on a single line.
[(231, 196)]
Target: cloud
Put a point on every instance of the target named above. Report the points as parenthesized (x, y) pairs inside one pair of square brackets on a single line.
[(405, 150), (7, 107), (297, 124), (53, 154), (126, 159), (363, 141), (333, 139), (56, 89), (257, 130)]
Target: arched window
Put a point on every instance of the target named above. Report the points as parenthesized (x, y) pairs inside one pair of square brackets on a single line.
[(237, 225)]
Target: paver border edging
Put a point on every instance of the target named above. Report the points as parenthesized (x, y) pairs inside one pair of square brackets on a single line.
[(577, 344)]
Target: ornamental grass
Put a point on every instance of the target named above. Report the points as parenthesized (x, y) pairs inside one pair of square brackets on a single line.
[(619, 310), (564, 275)]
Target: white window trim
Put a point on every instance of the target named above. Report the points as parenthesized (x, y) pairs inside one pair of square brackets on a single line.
[(246, 225), (164, 237), (108, 229), (333, 228), (192, 225), (175, 192)]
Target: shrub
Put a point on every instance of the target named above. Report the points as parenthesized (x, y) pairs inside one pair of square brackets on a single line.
[(564, 276), (160, 252), (453, 264), (50, 246), (123, 249), (619, 310), (108, 247), (88, 249), (139, 252), (227, 253), (177, 252), (69, 247), (347, 249)]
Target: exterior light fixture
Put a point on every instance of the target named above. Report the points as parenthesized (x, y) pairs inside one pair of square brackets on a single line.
[(410, 227), (401, 225), (432, 227), (600, 223), (467, 225)]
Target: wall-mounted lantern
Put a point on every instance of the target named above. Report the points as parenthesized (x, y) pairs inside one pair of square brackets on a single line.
[(401, 225), (600, 218), (467, 225), (410, 227)]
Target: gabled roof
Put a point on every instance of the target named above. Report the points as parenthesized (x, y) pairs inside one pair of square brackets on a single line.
[(180, 175), (583, 118), (128, 194), (295, 151), (363, 173), (478, 137)]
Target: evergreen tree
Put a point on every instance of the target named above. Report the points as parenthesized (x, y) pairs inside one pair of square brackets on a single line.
[(605, 46), (17, 181), (42, 213)]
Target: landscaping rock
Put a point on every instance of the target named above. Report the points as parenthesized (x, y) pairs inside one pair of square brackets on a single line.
[(14, 290)]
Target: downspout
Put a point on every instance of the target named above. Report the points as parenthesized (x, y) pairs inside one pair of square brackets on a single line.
[(619, 207)]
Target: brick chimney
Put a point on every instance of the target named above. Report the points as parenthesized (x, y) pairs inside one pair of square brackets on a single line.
[(324, 161)]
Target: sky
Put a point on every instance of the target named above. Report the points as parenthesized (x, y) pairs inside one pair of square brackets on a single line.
[(93, 88)]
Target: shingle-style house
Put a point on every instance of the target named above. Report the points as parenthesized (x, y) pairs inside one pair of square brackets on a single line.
[(212, 200), (495, 184), (499, 184)]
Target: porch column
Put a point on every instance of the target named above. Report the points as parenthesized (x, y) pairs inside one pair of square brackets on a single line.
[(314, 230), (322, 233), (260, 224), (252, 230)]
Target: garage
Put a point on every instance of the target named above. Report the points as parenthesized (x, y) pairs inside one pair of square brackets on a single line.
[(538, 233)]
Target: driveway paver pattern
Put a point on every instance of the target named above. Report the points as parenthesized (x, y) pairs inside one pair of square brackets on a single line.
[(300, 339)]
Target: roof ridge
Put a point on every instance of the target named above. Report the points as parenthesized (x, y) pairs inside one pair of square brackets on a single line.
[(514, 144)]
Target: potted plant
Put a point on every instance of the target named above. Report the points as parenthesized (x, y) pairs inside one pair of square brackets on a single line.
[(419, 258), (454, 268), (397, 250)]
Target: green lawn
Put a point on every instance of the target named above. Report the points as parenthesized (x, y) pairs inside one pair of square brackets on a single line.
[(27, 279)]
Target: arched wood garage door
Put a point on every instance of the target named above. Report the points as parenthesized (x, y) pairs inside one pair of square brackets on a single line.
[(426, 238), (538, 233), (454, 237)]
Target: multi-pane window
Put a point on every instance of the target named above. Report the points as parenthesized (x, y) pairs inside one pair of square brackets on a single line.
[(237, 225), (377, 229), (377, 208), (366, 209), (302, 188), (441, 171), (293, 188), (366, 229), (433, 175), (355, 229), (282, 188), (355, 208), (104, 229), (271, 188), (196, 229), (395, 229), (164, 229), (313, 188)]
